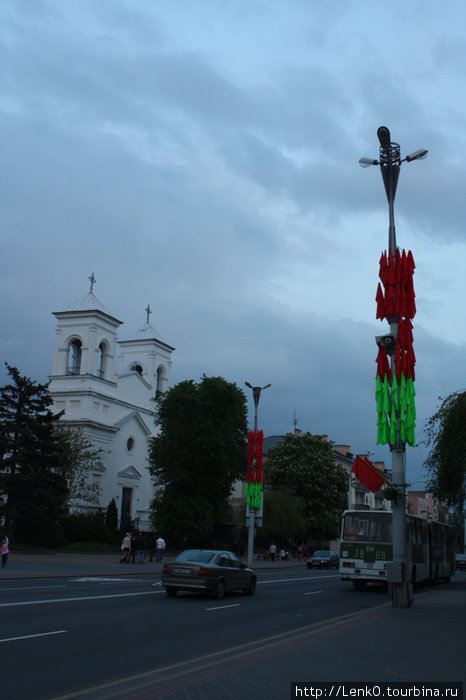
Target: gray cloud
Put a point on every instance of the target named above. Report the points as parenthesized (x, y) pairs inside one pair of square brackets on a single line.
[(213, 173)]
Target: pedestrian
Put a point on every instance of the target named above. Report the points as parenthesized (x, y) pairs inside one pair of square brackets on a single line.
[(126, 549), (159, 548), (273, 551), (4, 551), (140, 547), (184, 544), (133, 548)]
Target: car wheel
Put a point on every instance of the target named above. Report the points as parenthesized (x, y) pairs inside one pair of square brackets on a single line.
[(171, 592), (220, 589), (250, 590)]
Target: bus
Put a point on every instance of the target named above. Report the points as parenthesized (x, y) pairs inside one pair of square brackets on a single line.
[(366, 548)]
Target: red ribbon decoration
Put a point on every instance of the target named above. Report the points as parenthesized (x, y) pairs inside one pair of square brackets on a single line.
[(255, 441)]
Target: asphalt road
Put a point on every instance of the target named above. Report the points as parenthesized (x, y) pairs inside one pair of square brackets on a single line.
[(87, 631), (61, 637)]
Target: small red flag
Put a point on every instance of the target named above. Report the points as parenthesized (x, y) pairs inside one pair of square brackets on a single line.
[(367, 474), (380, 303)]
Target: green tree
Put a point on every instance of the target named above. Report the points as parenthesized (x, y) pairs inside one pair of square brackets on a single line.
[(198, 454), (76, 460), (111, 517), (283, 516), (36, 493), (305, 465), (445, 436)]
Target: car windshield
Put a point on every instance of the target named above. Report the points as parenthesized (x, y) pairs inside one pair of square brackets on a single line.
[(195, 555), (321, 553)]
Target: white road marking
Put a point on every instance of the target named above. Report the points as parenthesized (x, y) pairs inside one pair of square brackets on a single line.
[(300, 578), (32, 636), (103, 579), (76, 600), (222, 607), (29, 588), (312, 592)]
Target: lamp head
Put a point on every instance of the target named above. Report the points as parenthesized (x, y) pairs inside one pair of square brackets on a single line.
[(384, 136), (417, 155), (366, 162)]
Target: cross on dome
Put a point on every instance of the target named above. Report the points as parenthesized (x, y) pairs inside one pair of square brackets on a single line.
[(92, 280), (148, 312)]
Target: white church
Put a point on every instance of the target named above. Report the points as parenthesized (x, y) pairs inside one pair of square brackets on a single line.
[(107, 387)]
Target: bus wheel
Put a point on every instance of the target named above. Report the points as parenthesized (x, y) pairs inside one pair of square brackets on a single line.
[(359, 585)]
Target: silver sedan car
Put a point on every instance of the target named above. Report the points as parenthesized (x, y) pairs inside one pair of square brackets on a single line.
[(209, 571)]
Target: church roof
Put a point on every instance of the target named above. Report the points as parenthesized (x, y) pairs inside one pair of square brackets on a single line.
[(146, 332), (89, 302)]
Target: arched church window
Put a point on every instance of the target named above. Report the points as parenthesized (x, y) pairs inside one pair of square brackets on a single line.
[(136, 368), (74, 357), (161, 382), (102, 361)]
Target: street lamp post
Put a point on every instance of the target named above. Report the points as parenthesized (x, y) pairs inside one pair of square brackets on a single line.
[(390, 163), (251, 511)]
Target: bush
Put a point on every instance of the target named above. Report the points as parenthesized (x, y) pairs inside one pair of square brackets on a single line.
[(93, 547), (85, 527)]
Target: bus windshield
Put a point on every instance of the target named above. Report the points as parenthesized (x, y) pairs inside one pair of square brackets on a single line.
[(367, 527)]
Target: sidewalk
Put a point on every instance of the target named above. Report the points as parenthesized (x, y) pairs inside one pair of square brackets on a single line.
[(25, 565)]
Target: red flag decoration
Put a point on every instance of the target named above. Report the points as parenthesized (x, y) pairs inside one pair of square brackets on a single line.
[(367, 474), (396, 413), (253, 486)]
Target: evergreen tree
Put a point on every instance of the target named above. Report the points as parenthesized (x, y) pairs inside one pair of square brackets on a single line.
[(305, 465), (35, 493), (111, 517), (198, 454)]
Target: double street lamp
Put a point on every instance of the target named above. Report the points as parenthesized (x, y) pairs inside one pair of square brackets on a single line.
[(256, 393), (390, 162)]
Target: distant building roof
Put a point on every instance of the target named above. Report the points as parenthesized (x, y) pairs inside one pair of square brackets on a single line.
[(271, 441)]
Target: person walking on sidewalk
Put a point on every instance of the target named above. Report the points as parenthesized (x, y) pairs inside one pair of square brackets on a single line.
[(126, 548), (4, 551), (140, 547), (160, 548)]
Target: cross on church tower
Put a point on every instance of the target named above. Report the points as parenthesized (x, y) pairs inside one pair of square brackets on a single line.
[(92, 280), (148, 312)]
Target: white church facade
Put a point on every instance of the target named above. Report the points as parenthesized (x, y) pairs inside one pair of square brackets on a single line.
[(107, 387)]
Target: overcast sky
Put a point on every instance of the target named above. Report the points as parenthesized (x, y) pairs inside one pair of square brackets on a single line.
[(202, 157)]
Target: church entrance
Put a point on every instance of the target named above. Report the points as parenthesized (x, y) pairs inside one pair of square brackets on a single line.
[(125, 517)]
